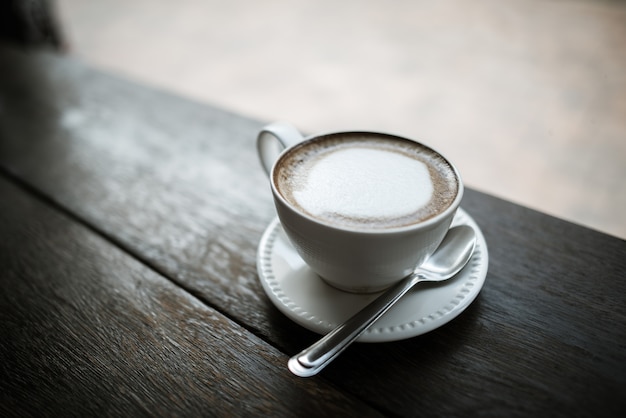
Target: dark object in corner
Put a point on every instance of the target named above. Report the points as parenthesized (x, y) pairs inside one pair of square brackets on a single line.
[(30, 23)]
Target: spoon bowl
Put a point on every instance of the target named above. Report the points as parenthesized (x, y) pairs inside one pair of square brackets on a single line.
[(451, 256)]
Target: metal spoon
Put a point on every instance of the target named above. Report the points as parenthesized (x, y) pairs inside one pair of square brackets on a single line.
[(451, 256)]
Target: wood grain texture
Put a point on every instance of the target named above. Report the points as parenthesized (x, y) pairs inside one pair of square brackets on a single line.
[(88, 330), (177, 184)]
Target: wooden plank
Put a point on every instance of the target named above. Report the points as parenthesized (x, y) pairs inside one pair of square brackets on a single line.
[(177, 184), (87, 330)]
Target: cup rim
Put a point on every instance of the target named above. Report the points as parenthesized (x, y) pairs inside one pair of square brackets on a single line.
[(436, 219)]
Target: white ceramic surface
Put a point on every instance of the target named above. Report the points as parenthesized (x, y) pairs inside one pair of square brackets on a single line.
[(344, 255), (305, 298)]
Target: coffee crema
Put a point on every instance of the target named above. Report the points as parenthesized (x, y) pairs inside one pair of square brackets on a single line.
[(366, 181)]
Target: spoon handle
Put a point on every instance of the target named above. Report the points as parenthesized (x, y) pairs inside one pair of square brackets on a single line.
[(313, 359)]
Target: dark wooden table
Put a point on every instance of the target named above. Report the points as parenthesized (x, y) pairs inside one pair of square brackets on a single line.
[(129, 224)]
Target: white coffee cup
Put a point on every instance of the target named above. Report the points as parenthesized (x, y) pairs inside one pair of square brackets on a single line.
[(362, 209)]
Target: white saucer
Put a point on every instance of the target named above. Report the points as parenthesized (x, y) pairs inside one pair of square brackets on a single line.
[(305, 298)]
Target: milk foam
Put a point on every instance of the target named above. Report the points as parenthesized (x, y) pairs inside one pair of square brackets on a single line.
[(364, 183)]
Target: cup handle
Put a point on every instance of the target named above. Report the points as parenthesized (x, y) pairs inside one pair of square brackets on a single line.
[(272, 140)]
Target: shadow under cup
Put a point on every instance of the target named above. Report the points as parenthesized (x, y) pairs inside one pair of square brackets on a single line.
[(364, 209)]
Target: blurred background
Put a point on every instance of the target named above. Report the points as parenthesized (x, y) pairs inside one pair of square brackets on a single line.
[(527, 98)]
